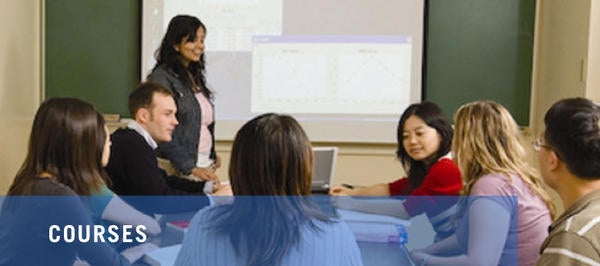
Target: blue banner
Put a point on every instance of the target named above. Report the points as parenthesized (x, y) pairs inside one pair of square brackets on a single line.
[(323, 230)]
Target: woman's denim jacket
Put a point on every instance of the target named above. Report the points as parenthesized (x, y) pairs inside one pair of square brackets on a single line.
[(182, 151)]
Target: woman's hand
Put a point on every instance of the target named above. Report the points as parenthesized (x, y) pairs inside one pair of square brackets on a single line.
[(217, 163), (205, 174), (419, 257), (341, 191)]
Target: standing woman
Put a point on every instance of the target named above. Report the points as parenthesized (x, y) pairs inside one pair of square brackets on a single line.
[(506, 216), (68, 148), (271, 221), (180, 67), (424, 138)]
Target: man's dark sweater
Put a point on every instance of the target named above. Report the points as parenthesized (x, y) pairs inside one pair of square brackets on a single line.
[(133, 170)]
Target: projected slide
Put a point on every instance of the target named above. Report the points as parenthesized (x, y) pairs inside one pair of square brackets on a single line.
[(345, 69), (330, 74), (238, 20)]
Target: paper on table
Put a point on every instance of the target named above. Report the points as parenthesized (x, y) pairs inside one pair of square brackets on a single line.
[(363, 217), (163, 256), (372, 227)]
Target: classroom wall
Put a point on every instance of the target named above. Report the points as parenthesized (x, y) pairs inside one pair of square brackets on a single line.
[(20, 81), (566, 31), (566, 54), (593, 79), (360, 164)]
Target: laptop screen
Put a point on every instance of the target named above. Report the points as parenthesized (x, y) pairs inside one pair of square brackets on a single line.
[(324, 167)]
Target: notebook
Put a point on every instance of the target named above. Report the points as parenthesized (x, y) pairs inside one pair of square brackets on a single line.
[(324, 167)]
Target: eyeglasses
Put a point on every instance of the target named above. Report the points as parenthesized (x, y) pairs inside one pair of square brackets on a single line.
[(538, 144)]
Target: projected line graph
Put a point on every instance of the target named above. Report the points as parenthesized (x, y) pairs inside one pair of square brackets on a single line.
[(373, 75), (332, 75), (294, 76)]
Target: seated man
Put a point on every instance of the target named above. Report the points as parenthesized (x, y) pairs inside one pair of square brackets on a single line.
[(133, 166), (569, 157)]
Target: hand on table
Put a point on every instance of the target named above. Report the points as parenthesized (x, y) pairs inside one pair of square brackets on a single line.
[(419, 257), (341, 191), (343, 202)]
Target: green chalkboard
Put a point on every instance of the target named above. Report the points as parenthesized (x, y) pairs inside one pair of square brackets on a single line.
[(93, 51), (480, 49)]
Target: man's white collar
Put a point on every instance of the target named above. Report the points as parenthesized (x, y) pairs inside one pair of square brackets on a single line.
[(140, 130)]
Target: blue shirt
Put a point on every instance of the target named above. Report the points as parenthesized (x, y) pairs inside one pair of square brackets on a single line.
[(334, 244)]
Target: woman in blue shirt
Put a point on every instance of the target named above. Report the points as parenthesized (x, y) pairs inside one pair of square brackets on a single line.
[(271, 221)]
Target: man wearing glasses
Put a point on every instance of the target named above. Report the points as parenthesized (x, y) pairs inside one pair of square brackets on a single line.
[(569, 157)]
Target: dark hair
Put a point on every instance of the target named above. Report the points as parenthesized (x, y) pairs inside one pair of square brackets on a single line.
[(142, 95), (67, 140), (183, 27), (573, 132), (276, 150), (432, 115), (271, 156)]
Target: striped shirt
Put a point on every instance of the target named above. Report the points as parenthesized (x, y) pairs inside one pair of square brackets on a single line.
[(575, 236)]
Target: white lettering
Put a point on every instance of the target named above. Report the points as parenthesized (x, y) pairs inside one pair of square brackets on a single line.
[(113, 231), (98, 233), (51, 237), (127, 233), (84, 236), (69, 233), (142, 237), (83, 233)]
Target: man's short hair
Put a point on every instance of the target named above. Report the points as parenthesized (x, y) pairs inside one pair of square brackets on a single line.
[(142, 96), (573, 132)]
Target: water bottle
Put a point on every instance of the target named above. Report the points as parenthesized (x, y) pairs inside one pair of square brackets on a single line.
[(402, 235), (402, 240)]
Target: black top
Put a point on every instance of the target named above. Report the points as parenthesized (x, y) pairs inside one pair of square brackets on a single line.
[(25, 222), (133, 170)]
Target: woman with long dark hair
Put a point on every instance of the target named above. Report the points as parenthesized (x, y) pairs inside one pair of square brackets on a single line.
[(68, 148), (424, 138), (271, 221), (180, 67)]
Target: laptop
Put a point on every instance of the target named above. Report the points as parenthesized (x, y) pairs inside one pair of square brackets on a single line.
[(324, 168)]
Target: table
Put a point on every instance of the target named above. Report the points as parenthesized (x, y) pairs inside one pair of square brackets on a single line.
[(376, 254)]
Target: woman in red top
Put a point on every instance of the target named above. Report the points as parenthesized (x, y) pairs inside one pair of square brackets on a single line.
[(424, 140)]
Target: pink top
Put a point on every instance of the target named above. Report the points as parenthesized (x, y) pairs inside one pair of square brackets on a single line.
[(207, 118), (533, 217)]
